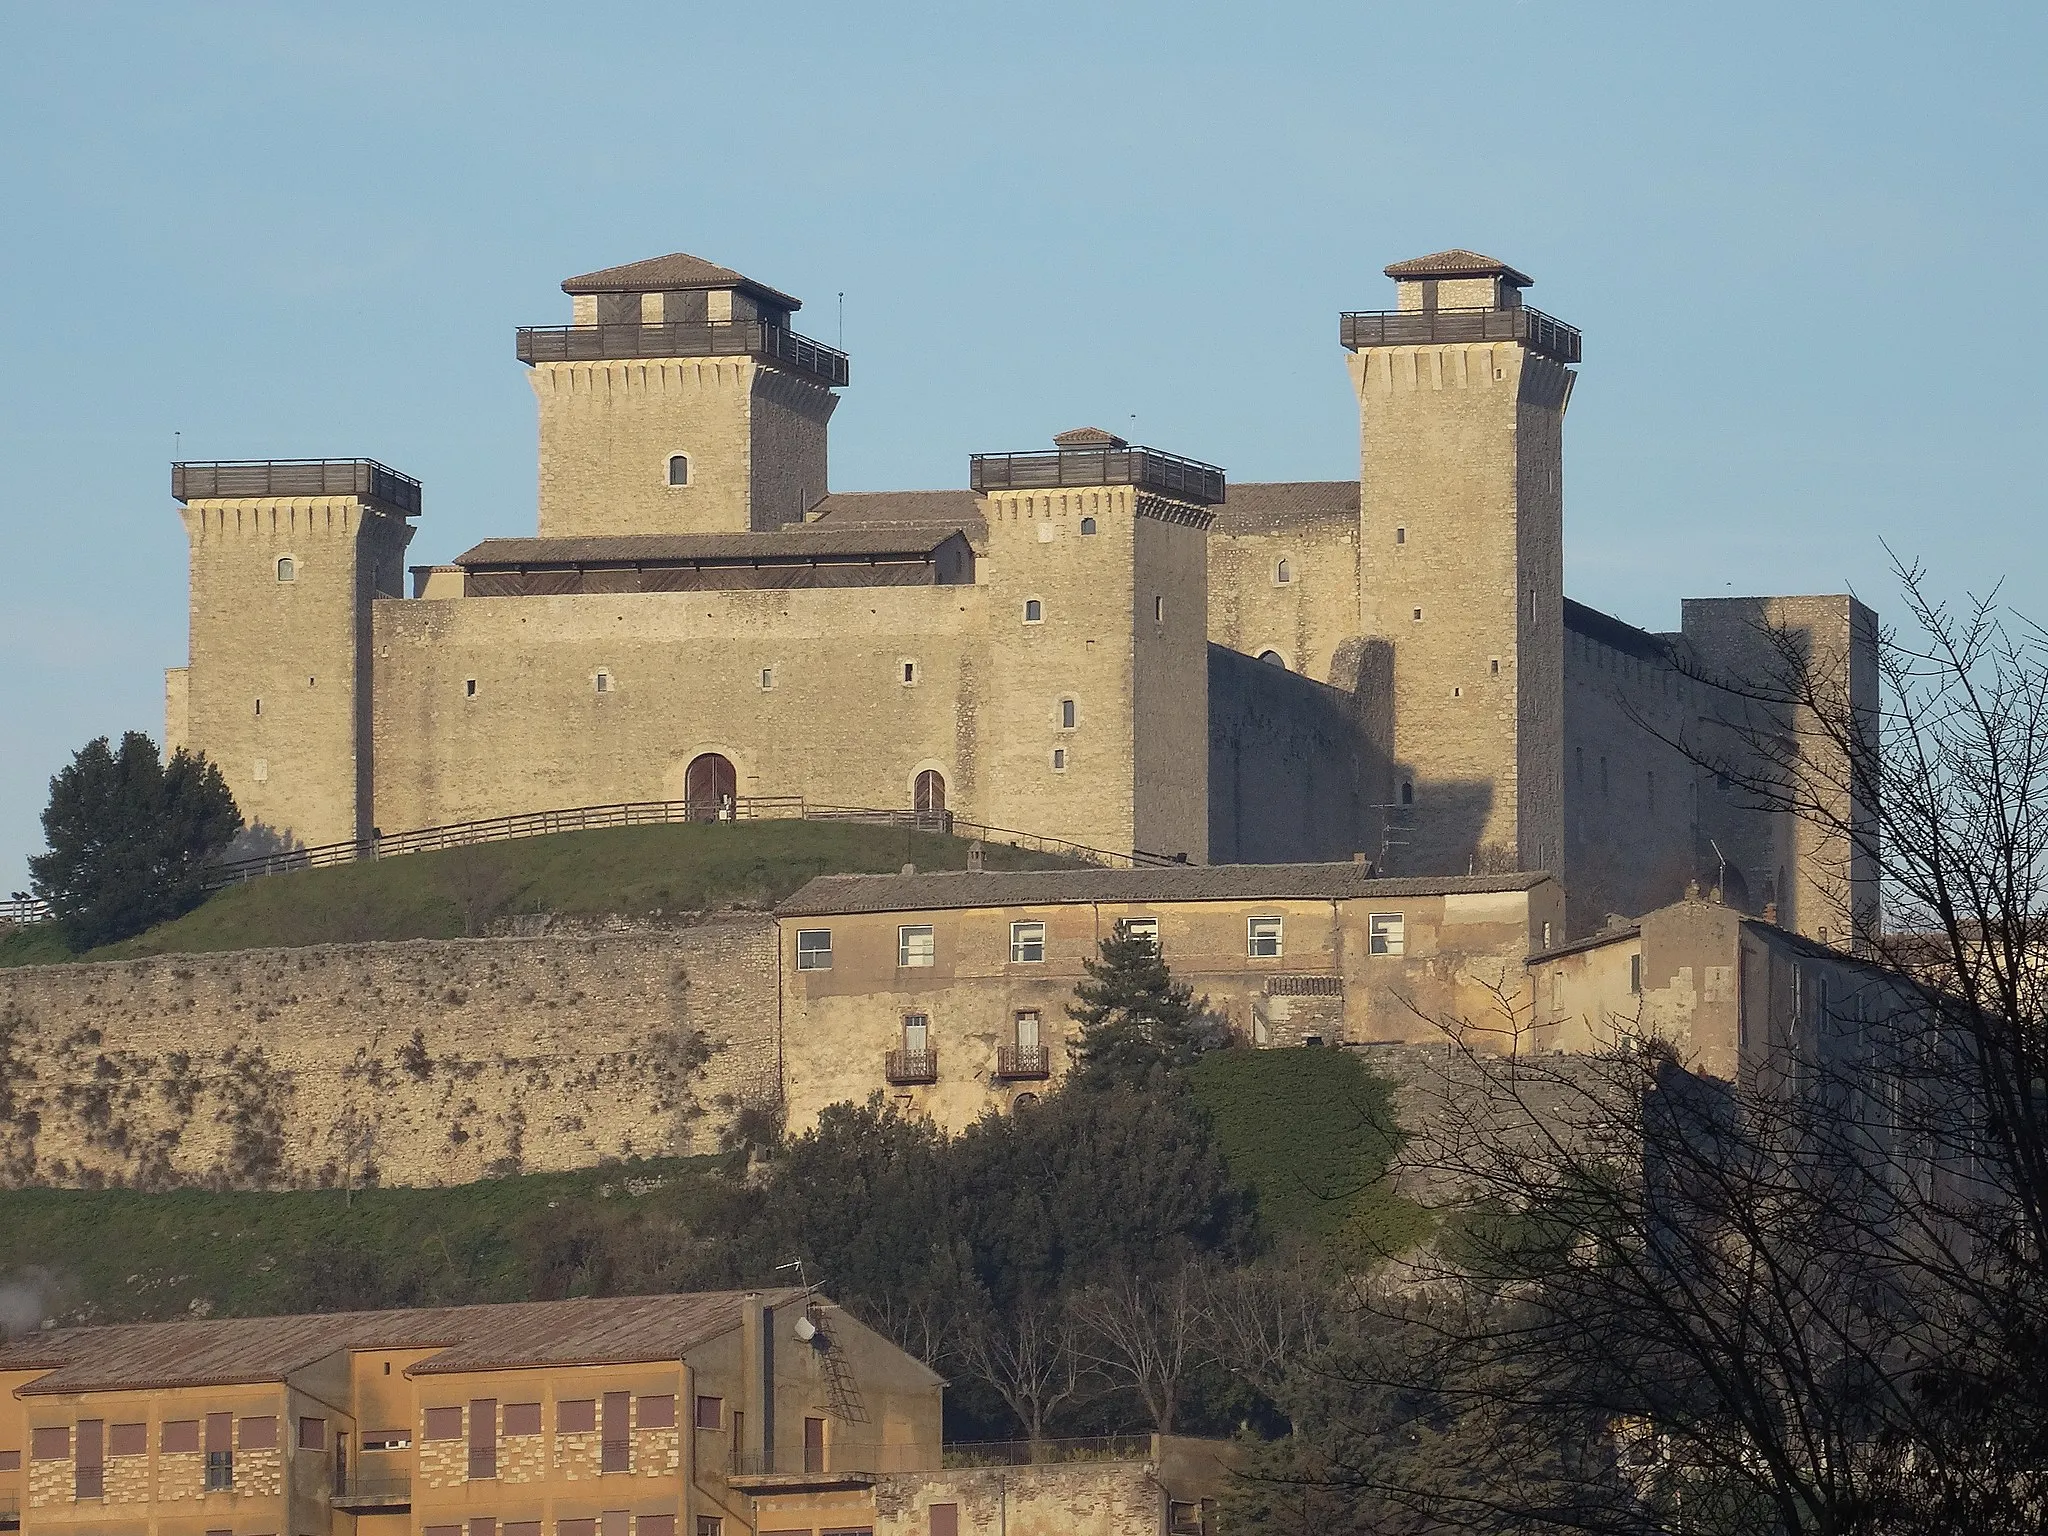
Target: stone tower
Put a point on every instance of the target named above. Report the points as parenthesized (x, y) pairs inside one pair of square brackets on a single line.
[(1098, 585), (679, 401), (286, 558), (1461, 397)]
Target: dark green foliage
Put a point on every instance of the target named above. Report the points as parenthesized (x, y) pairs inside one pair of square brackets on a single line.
[(130, 837), (1312, 1132), (1135, 1018)]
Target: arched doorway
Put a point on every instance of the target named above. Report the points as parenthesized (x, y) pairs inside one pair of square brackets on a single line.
[(928, 800), (709, 788)]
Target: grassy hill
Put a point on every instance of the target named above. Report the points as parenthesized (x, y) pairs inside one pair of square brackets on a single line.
[(637, 871), (1306, 1128)]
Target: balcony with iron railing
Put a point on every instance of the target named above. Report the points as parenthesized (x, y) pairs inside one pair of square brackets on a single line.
[(236, 479), (1019, 1062), (1148, 469), (615, 1456), (684, 338), (1424, 327), (379, 1495), (10, 1511), (911, 1066)]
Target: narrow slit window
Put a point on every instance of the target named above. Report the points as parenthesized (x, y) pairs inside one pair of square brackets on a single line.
[(1407, 792), (1400, 535), (908, 672), (1159, 610), (469, 688), (1070, 714), (1059, 759), (767, 679), (604, 682)]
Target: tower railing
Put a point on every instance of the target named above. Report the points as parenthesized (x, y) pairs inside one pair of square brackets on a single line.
[(222, 479), (1424, 327), (684, 338), (1146, 468)]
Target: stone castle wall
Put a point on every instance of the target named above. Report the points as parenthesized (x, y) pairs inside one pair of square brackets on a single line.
[(432, 1062)]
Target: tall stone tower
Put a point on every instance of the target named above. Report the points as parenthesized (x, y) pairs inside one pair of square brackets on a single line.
[(1461, 399), (1098, 588), (679, 401), (286, 558)]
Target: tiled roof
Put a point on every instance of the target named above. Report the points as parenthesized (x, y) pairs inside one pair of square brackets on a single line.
[(810, 542), (218, 1351), (1287, 504), (1088, 437), (948, 890), (1458, 263), (675, 273), (947, 509)]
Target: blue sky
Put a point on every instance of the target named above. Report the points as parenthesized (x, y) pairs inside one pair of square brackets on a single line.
[(1804, 243)]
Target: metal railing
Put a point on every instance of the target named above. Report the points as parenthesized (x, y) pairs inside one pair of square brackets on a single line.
[(1021, 1061), (1146, 468), (615, 1456), (25, 909), (1422, 327), (233, 478), (88, 1482), (1032, 1453), (839, 1459), (483, 1463), (372, 1493), (911, 1066), (10, 1512), (683, 338)]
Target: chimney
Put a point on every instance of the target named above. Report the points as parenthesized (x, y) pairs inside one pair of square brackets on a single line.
[(1771, 913)]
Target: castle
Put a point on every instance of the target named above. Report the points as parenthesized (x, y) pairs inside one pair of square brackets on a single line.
[(1097, 641)]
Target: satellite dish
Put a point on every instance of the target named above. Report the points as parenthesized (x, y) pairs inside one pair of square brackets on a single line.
[(806, 1329)]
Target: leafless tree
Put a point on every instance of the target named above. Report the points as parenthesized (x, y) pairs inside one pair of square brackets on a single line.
[(1148, 1333), (1028, 1352), (1811, 1299)]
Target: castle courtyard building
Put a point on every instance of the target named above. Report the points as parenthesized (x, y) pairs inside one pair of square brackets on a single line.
[(1095, 641)]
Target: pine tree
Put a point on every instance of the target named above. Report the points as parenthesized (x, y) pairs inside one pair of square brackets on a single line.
[(1134, 1017), (130, 837)]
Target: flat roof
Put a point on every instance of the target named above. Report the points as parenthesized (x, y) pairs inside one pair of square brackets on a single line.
[(616, 1330), (828, 895)]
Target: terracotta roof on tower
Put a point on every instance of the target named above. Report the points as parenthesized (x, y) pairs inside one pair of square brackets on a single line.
[(677, 272), (1459, 263), (1282, 504), (590, 1331)]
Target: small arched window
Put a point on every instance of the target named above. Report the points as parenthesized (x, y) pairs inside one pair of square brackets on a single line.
[(1283, 574), (1273, 659), (679, 469), (1034, 610), (1087, 525), (1070, 714), (1407, 792), (287, 568)]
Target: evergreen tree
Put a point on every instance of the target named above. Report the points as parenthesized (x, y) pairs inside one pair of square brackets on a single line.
[(1134, 1017), (130, 838)]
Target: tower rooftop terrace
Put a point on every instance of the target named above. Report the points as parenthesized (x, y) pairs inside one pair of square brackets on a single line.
[(1424, 327), (235, 479)]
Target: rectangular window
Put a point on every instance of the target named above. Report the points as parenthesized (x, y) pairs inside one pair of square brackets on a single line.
[(1146, 928), (519, 1528), (915, 944), (577, 1416), (917, 1034), (1262, 938), (711, 1525), (469, 687), (767, 678), (483, 1525), (1027, 943), (1635, 973), (655, 1525), (441, 1530), (616, 1452), (220, 1471), (10, 1461), (1059, 759), (1386, 933), (387, 1440), (814, 949), (128, 1440), (312, 1434), (1027, 1029), (655, 1413), (710, 1412), (575, 1528), (945, 1520), (258, 1434), (89, 1476), (50, 1444), (814, 1445), (521, 1419), (615, 1522), (180, 1437), (909, 674), (443, 1424), (483, 1438), (604, 682)]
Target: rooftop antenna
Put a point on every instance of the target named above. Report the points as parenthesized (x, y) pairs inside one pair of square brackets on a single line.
[(177, 447), (1721, 874), (842, 323)]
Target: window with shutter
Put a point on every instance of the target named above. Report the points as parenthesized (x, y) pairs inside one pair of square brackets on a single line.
[(945, 1520), (312, 1434), (179, 1437), (520, 1419), (128, 1440), (483, 1438), (616, 1452), (53, 1444), (655, 1525), (257, 1434), (655, 1412), (576, 1416), (444, 1424)]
